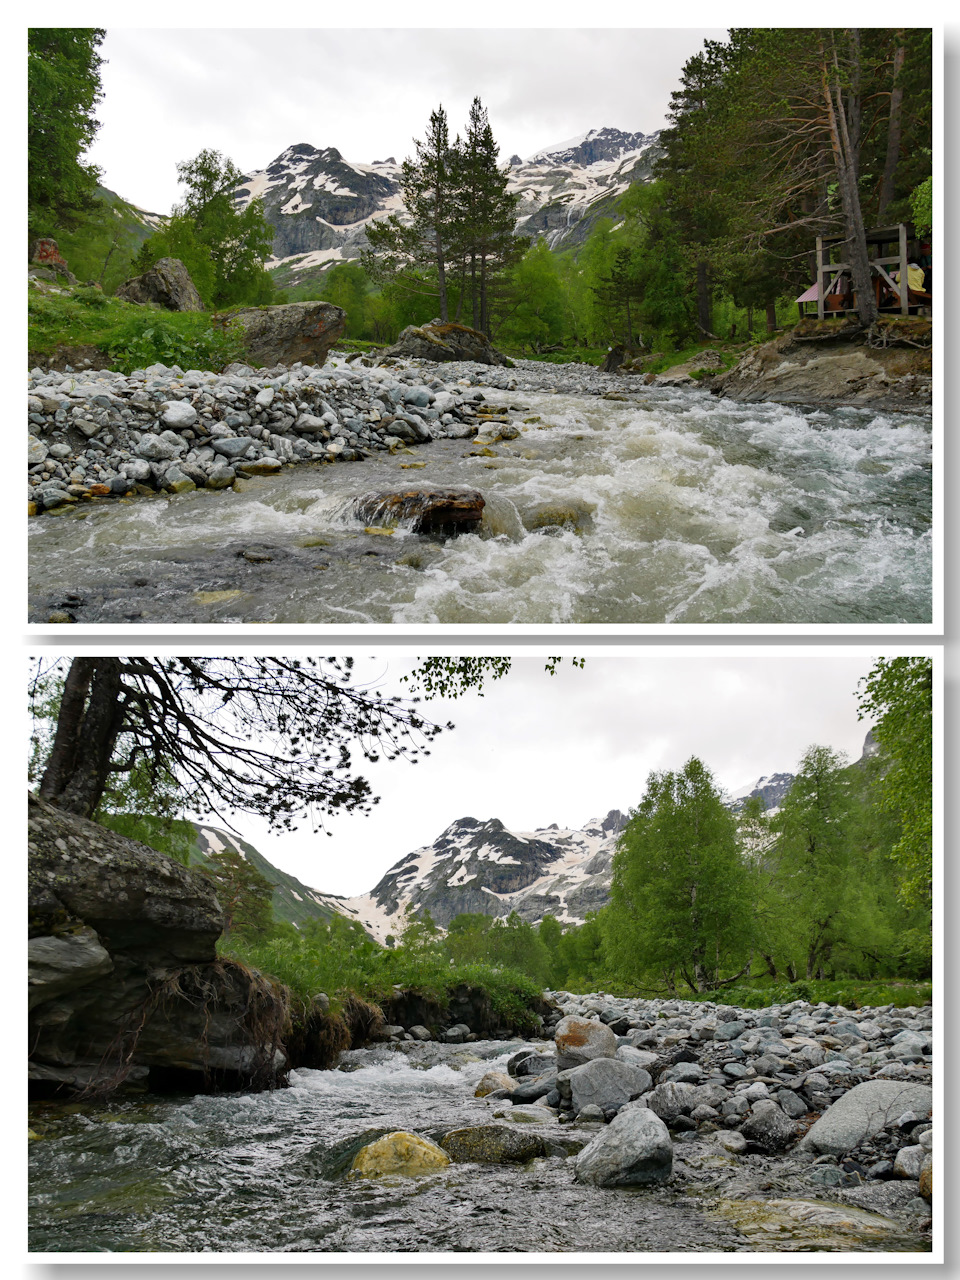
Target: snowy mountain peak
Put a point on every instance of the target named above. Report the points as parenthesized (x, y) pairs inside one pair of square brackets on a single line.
[(319, 204)]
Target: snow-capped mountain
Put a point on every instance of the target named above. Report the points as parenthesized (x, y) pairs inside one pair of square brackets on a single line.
[(482, 867), (319, 203), (771, 790)]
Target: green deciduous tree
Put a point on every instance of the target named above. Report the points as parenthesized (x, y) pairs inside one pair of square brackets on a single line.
[(898, 694), (679, 898), (223, 247), (815, 856), (63, 85)]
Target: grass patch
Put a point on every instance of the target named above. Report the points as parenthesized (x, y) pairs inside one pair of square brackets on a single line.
[(345, 972), (131, 336)]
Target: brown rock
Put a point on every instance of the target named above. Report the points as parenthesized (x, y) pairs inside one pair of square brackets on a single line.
[(580, 1040), (167, 283), (440, 511), (295, 331)]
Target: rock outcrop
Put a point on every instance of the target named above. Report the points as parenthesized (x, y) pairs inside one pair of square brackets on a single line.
[(167, 283), (836, 363), (293, 332), (124, 980), (439, 341)]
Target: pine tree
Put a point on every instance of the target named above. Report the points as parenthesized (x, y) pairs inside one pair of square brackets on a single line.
[(485, 212), (403, 249), (243, 893)]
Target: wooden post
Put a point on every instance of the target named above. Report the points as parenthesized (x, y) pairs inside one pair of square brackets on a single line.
[(904, 283), (820, 277)]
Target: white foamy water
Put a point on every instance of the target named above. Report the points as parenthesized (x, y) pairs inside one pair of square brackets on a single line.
[(672, 507)]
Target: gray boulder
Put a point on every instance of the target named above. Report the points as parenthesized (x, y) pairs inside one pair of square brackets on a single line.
[(580, 1040), (295, 331), (670, 1100), (633, 1150), (167, 283), (57, 965), (768, 1127), (606, 1083), (863, 1111), (125, 979), (492, 1144)]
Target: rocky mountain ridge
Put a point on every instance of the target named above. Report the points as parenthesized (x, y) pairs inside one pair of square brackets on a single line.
[(482, 867), (319, 203)]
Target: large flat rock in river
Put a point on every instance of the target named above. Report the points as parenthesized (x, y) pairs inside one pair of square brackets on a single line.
[(864, 1111)]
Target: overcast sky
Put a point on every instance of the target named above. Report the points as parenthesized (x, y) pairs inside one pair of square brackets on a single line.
[(250, 93), (537, 749)]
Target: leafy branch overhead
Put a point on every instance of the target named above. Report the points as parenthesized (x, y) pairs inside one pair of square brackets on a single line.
[(274, 736)]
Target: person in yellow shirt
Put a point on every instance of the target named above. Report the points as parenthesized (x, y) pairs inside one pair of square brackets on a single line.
[(914, 277)]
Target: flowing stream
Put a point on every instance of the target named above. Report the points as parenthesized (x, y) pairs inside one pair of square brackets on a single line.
[(267, 1173), (669, 506)]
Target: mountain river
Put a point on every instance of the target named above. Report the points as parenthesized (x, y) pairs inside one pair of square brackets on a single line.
[(268, 1173), (665, 506)]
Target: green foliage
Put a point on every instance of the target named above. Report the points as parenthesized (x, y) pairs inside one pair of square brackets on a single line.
[(222, 247), (898, 692), (339, 958), (243, 893), (104, 246), (132, 336), (680, 889), (63, 86), (188, 339), (531, 312), (848, 993), (921, 206)]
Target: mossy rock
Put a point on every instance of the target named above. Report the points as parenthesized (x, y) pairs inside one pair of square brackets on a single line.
[(401, 1154)]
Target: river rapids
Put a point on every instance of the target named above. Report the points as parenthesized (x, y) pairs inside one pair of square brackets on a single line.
[(665, 506)]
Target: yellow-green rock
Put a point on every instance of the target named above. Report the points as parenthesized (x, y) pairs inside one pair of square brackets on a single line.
[(492, 1144), (406, 1154)]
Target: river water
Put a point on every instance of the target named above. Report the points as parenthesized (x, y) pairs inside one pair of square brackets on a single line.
[(265, 1173), (669, 506)]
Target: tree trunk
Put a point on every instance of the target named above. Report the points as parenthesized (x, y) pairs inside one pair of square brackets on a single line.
[(76, 774), (894, 126), (771, 967), (474, 294), (441, 277), (771, 317), (704, 309), (845, 143)]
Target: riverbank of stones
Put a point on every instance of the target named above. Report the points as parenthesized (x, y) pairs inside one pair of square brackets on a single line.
[(816, 1101), (101, 433), (95, 434)]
